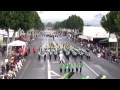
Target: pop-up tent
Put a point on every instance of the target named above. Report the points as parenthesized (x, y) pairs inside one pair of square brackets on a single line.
[(23, 39), (17, 43)]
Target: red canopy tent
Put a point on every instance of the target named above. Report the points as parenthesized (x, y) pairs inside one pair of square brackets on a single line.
[(20, 50), (23, 39)]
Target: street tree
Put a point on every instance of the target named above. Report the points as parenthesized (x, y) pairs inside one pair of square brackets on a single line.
[(38, 24), (8, 19), (110, 23), (64, 24), (49, 24), (57, 25), (75, 22), (16, 20)]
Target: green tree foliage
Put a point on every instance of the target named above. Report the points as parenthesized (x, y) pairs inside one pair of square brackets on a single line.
[(117, 22), (64, 24), (8, 19), (109, 21), (20, 19), (38, 24), (49, 24), (75, 22), (57, 25)]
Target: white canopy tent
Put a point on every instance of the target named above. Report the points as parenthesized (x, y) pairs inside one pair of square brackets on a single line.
[(16, 43)]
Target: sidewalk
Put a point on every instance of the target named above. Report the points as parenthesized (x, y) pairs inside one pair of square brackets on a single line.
[(118, 64)]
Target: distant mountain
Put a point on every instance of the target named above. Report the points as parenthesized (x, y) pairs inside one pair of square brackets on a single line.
[(95, 21)]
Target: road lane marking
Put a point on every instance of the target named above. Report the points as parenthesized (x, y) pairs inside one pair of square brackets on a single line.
[(49, 70), (55, 62), (55, 74), (91, 69), (49, 67), (24, 69), (88, 66)]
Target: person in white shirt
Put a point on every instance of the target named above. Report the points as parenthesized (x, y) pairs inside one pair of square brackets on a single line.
[(61, 57)]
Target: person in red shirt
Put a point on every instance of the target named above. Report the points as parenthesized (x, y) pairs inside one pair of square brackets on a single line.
[(34, 50), (20, 50)]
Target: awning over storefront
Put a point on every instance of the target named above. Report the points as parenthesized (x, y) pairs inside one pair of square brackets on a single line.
[(112, 39), (104, 41), (108, 40), (85, 37)]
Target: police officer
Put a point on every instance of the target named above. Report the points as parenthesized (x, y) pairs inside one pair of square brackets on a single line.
[(3, 69)]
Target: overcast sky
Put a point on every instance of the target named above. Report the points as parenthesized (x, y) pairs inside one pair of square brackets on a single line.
[(89, 17)]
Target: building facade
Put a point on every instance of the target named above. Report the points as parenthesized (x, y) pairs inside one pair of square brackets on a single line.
[(30, 33)]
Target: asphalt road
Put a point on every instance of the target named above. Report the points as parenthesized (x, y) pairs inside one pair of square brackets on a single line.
[(34, 69)]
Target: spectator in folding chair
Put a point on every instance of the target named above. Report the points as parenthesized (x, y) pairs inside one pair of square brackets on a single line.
[(11, 74), (7, 67), (3, 69)]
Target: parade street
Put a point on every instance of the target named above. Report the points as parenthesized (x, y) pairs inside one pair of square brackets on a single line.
[(50, 69)]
